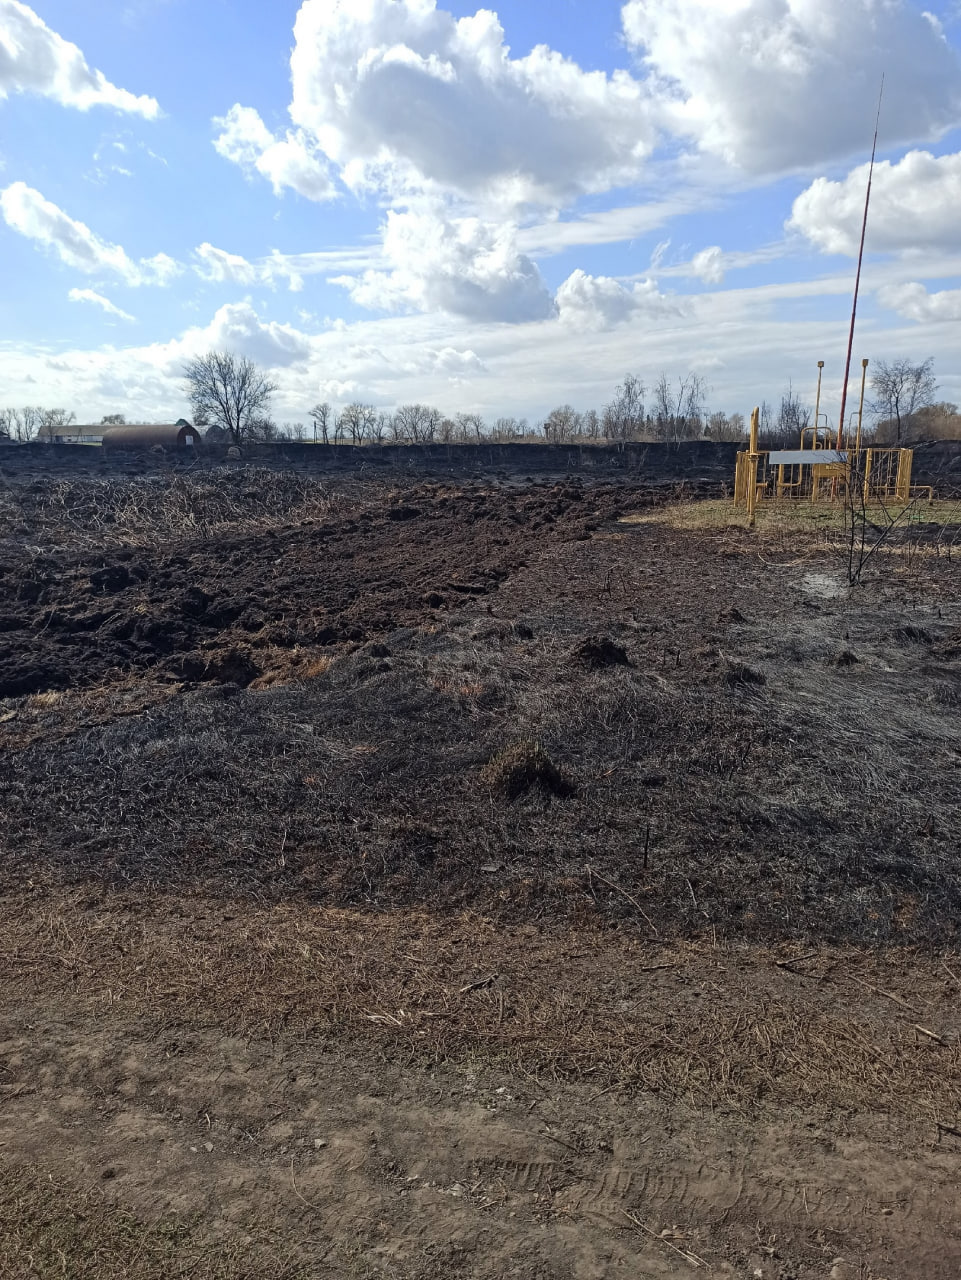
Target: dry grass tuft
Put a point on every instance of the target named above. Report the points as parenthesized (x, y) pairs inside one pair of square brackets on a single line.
[(600, 651), (523, 766), (739, 673)]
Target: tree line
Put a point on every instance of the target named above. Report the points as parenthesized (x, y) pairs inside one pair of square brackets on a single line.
[(231, 397)]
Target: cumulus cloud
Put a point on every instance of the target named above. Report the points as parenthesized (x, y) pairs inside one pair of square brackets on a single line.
[(291, 161), (708, 265), (404, 96), (915, 303), (771, 85), (27, 212), (98, 300), (237, 327), (34, 59), (914, 205), (220, 267), (458, 364), (464, 266), (598, 302)]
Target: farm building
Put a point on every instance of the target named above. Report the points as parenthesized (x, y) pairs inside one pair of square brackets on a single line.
[(176, 435), (69, 433)]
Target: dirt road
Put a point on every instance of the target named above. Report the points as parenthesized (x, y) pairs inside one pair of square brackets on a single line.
[(465, 1131)]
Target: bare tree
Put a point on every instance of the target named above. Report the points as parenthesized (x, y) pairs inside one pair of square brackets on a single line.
[(21, 424), (509, 429), (562, 423), (678, 409), (900, 390), (624, 416), (416, 423), (470, 427), (358, 421), (783, 429), (229, 391), (32, 420), (381, 428), (321, 415), (592, 424), (937, 422), (793, 416), (724, 427), (263, 429)]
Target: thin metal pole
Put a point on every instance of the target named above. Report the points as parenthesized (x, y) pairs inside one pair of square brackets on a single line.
[(864, 375), (817, 407), (857, 280)]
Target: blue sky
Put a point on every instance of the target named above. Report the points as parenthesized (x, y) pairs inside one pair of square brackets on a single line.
[(402, 200)]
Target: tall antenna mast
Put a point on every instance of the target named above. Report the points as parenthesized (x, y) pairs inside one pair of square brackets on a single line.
[(857, 280)]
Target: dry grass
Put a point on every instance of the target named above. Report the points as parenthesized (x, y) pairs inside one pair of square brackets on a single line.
[(776, 518), (88, 511), (691, 1022), (51, 1229)]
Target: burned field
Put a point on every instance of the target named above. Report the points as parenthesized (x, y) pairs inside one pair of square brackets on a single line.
[(538, 880)]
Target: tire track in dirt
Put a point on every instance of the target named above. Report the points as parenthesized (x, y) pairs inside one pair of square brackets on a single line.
[(187, 1120)]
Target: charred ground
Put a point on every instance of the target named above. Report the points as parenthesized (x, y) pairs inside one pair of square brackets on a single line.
[(736, 749)]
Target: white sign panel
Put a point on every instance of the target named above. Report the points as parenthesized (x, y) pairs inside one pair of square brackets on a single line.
[(804, 457)]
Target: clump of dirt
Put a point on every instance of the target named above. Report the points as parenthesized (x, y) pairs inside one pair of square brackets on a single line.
[(226, 666), (598, 652), (910, 634), (739, 673), (950, 647), (522, 767), (846, 658), (732, 614)]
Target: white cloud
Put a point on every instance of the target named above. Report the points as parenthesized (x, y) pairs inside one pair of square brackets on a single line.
[(708, 265), (914, 302), (98, 300), (27, 212), (463, 266), (458, 364), (237, 327), (292, 161), (770, 85), (34, 59), (915, 204), (599, 302), (750, 340), (219, 266), (161, 269), (609, 226), (403, 96)]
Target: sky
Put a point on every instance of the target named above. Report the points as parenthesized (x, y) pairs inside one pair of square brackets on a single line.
[(490, 211)]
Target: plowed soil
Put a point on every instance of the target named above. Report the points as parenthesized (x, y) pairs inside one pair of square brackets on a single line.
[(459, 881)]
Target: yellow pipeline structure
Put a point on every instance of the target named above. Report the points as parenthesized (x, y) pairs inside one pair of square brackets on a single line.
[(823, 470)]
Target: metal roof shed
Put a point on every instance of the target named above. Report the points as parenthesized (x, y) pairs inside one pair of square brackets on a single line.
[(175, 435)]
